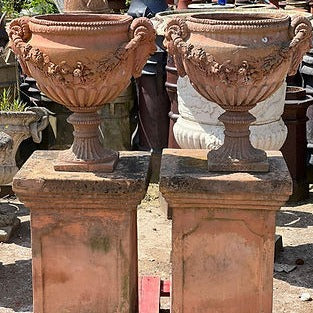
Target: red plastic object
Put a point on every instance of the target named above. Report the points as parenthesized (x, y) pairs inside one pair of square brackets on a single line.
[(151, 288)]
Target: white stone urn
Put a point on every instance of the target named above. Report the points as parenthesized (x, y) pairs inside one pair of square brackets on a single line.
[(14, 128), (198, 126)]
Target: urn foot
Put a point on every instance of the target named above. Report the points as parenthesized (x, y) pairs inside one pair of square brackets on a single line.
[(86, 153), (237, 153)]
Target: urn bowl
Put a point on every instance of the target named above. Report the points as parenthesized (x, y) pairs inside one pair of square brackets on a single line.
[(238, 59), (82, 60)]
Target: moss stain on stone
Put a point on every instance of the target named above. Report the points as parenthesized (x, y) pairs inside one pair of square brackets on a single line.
[(101, 244), (125, 287)]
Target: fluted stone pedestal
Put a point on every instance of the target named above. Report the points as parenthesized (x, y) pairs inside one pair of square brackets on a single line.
[(84, 233), (223, 233)]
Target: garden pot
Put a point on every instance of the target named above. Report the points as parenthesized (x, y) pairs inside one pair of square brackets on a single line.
[(183, 4), (198, 126), (231, 60), (83, 61), (14, 128), (82, 6), (117, 5)]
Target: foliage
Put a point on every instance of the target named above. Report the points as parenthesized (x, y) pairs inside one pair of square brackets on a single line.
[(9, 103), (14, 7), (127, 2), (41, 6)]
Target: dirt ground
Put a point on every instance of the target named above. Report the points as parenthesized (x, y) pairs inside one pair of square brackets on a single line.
[(294, 223)]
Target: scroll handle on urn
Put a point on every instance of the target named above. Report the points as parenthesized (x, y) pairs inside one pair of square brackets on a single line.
[(141, 32)]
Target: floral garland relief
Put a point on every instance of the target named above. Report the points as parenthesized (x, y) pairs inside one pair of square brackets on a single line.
[(249, 72), (80, 73)]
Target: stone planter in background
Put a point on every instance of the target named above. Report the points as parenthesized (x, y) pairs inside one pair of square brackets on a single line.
[(198, 126), (14, 128)]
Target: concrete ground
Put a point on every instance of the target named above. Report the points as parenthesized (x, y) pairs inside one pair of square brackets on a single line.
[(294, 223)]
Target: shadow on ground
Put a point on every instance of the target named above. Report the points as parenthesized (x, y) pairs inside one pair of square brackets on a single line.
[(17, 277), (302, 275), (297, 219), (22, 235)]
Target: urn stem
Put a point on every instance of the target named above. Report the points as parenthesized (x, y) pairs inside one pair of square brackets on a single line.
[(86, 153), (237, 152)]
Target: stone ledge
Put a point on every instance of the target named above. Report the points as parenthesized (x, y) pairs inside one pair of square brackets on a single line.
[(37, 181), (186, 182)]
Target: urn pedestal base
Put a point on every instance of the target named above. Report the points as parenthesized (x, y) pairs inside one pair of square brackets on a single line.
[(223, 232), (86, 154), (84, 233), (237, 153)]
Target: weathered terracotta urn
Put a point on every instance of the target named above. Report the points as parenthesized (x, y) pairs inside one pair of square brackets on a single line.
[(83, 62), (83, 6), (238, 60)]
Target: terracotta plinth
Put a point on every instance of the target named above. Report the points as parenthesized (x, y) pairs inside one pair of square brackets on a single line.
[(223, 233), (84, 233)]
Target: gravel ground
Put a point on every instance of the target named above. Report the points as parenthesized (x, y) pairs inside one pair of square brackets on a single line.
[(294, 223)]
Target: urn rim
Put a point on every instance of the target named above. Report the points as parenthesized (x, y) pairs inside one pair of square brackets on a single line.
[(78, 22), (240, 20)]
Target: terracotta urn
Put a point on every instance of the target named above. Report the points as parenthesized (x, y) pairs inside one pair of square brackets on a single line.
[(183, 4), (83, 62), (238, 60), (83, 6)]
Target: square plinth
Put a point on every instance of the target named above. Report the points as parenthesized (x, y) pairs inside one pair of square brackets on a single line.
[(223, 233), (84, 233)]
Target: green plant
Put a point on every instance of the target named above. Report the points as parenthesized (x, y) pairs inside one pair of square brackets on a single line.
[(9, 103), (11, 8), (41, 6)]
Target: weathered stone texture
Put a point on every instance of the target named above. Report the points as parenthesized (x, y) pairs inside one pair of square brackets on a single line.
[(223, 233), (84, 234)]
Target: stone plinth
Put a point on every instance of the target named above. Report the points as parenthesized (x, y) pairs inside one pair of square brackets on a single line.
[(223, 233), (84, 234)]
